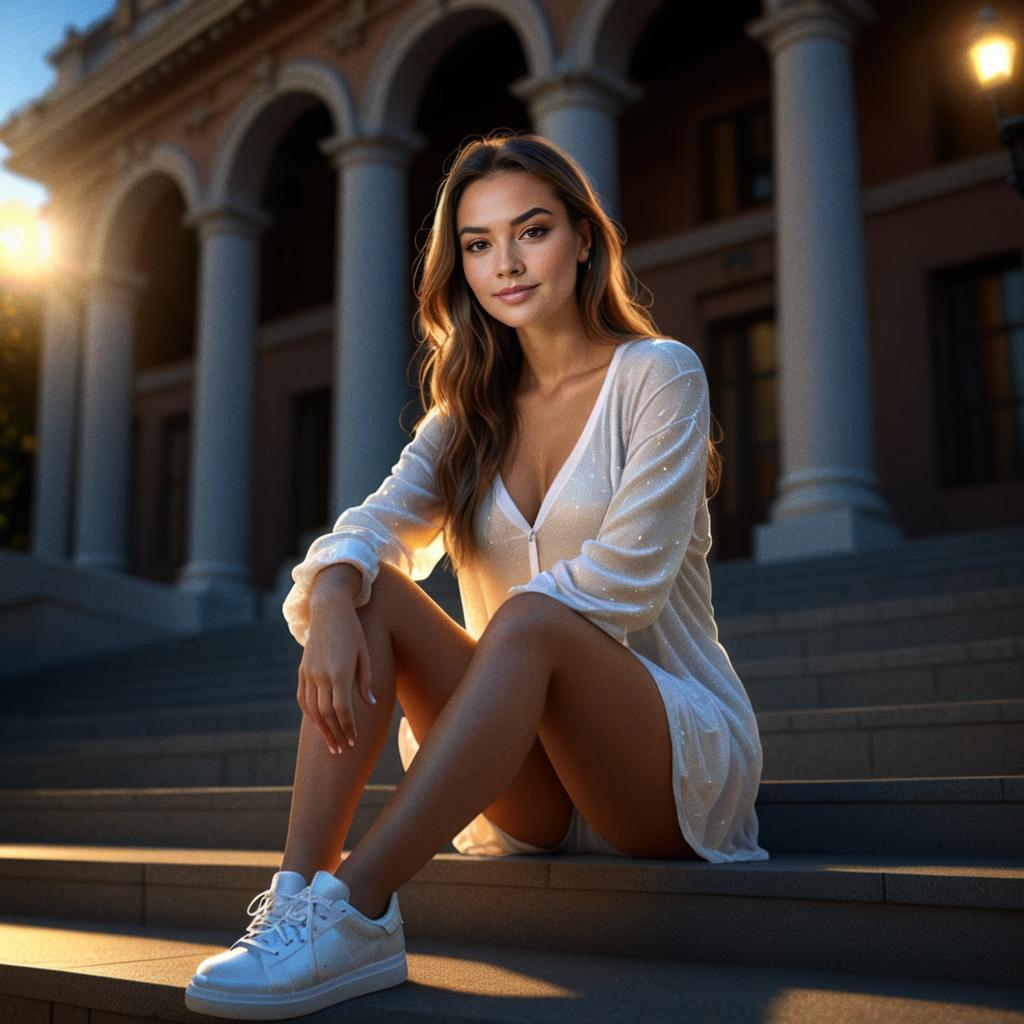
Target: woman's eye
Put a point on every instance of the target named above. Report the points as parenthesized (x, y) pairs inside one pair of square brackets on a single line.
[(535, 227)]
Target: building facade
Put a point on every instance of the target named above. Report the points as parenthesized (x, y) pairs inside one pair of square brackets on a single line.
[(813, 192)]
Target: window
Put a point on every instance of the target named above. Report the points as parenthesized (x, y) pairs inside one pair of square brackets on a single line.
[(173, 515), (978, 350), (310, 463), (735, 162), (742, 382)]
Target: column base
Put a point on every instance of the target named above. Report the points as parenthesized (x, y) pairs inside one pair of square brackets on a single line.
[(225, 600), (102, 563), (833, 532)]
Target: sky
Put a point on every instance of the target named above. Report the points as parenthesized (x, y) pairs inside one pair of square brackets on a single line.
[(30, 29)]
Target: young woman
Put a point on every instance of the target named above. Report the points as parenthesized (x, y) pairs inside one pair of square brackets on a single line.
[(587, 705)]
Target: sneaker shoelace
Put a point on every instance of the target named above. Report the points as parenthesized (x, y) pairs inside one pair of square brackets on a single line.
[(270, 924)]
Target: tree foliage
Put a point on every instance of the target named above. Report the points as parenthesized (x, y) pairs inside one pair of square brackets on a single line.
[(20, 346)]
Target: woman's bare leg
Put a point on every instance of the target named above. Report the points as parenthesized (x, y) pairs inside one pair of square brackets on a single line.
[(539, 669), (419, 656)]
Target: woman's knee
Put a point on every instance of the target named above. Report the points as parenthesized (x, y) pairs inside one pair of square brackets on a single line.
[(385, 593), (528, 617)]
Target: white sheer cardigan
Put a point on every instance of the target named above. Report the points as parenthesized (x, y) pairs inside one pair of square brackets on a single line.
[(622, 536)]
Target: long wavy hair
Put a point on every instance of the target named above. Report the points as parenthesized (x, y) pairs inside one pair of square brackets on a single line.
[(469, 361)]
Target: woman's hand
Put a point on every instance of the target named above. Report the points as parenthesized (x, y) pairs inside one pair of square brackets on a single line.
[(335, 660)]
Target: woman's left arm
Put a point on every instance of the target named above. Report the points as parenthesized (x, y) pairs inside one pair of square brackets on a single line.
[(621, 579)]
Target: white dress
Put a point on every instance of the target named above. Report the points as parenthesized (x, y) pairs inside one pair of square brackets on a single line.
[(622, 536)]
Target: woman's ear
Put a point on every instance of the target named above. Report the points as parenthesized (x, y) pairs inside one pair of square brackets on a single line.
[(587, 234)]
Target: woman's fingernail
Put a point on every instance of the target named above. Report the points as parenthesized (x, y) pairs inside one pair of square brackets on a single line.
[(351, 742), (373, 700)]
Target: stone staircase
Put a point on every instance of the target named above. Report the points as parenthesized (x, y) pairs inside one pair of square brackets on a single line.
[(145, 800)]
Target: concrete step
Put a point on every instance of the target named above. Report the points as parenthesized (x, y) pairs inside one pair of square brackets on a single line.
[(964, 618), (946, 563), (817, 677), (953, 918), (262, 660), (981, 816), (214, 715), (959, 739), (53, 969), (250, 645), (255, 744), (937, 673)]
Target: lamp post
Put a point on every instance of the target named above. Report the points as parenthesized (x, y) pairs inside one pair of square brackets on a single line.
[(992, 51)]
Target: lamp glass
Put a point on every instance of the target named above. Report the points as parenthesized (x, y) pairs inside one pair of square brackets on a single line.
[(993, 57)]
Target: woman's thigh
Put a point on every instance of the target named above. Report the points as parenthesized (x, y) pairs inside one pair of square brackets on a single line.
[(605, 730), (431, 655)]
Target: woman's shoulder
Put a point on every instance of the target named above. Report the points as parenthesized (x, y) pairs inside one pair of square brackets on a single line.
[(648, 362)]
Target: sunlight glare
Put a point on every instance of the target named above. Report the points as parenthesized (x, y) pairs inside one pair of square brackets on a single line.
[(26, 243)]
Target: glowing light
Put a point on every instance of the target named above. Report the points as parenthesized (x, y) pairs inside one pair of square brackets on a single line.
[(993, 59), (26, 242)]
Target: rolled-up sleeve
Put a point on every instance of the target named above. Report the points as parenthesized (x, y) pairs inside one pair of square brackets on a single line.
[(400, 523), (621, 579)]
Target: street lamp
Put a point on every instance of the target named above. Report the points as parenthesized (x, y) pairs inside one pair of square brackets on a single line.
[(992, 51)]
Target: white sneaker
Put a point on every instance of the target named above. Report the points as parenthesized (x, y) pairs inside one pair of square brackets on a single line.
[(274, 901), (315, 949)]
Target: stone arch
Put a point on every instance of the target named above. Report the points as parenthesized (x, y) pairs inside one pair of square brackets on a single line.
[(404, 64), (604, 33), (246, 147), (139, 187)]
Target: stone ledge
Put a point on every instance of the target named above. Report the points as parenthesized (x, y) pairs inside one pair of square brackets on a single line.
[(953, 881), (143, 972)]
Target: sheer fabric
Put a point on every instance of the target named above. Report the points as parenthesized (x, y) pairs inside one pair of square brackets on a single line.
[(622, 536)]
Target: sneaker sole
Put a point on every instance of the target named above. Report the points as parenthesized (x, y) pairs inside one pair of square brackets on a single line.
[(240, 1006)]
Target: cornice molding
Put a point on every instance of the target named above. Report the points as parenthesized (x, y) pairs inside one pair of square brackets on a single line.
[(759, 225), (188, 32)]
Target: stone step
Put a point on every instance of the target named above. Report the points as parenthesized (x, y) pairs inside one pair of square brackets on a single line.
[(54, 969), (263, 658), (981, 816), (943, 671), (953, 918), (938, 673), (870, 626), (262, 653), (255, 744), (944, 563), (965, 738), (250, 645)]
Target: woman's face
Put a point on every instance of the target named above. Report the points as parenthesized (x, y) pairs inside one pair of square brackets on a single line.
[(502, 248)]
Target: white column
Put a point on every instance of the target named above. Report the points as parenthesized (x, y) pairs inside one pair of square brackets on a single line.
[(577, 111), (58, 399), (101, 520), (828, 494), (223, 401), (373, 340)]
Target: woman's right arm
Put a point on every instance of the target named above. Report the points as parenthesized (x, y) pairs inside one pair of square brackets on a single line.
[(400, 523), (335, 660)]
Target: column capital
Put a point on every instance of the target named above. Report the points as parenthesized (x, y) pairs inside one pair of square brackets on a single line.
[(594, 87), (390, 146), (234, 217), (790, 21)]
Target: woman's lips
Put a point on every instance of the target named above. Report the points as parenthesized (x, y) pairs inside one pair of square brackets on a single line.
[(514, 297)]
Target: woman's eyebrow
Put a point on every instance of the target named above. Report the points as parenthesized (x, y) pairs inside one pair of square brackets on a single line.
[(512, 223)]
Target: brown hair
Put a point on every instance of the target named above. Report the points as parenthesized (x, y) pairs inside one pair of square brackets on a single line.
[(472, 361)]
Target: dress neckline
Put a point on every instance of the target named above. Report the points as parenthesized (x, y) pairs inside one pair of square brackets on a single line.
[(510, 508)]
